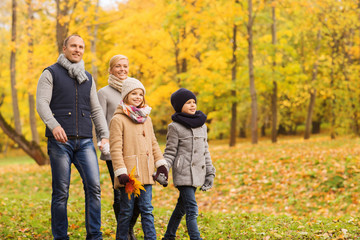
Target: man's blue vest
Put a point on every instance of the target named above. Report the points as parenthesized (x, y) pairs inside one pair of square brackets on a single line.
[(70, 103)]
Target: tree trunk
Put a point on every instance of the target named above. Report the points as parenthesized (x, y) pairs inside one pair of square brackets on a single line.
[(333, 99), (31, 148), (315, 127), (93, 41), (310, 114), (274, 93), (263, 130), (184, 64), (254, 110), (62, 28), (242, 132), (15, 103), (233, 91), (32, 114), (312, 91)]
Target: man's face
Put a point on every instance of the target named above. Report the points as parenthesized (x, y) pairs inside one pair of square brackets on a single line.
[(74, 49)]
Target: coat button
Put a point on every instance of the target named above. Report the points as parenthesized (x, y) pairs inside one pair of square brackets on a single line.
[(204, 154), (83, 114), (69, 113), (203, 166), (193, 164), (144, 133), (147, 153)]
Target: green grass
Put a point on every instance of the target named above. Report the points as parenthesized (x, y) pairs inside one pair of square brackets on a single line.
[(294, 189), (15, 160)]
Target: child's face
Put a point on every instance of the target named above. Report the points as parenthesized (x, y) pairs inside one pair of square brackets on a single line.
[(189, 107), (135, 97)]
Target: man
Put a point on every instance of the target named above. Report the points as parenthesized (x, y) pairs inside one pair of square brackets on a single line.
[(67, 101)]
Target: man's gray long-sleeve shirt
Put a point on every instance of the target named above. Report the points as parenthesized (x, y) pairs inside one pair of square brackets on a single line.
[(43, 99)]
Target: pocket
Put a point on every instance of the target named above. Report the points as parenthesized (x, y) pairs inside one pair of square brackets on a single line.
[(63, 116), (178, 164), (86, 115), (130, 163)]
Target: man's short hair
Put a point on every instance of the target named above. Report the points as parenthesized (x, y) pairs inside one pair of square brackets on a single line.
[(67, 39)]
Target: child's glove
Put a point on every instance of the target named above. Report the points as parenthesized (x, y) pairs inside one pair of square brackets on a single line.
[(105, 149), (209, 180), (161, 179), (123, 179), (162, 169), (161, 175)]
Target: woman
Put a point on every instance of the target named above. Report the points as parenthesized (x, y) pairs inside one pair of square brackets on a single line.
[(109, 98)]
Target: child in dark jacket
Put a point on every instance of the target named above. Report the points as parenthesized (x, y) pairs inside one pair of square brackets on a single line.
[(188, 154)]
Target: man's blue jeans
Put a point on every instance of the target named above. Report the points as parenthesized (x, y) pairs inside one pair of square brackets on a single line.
[(126, 212), (186, 205), (81, 153)]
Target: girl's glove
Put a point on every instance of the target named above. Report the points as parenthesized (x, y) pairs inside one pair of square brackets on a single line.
[(123, 179), (209, 180)]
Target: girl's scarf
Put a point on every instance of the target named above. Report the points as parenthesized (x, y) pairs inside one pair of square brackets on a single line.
[(115, 82), (190, 120), (75, 70), (138, 115)]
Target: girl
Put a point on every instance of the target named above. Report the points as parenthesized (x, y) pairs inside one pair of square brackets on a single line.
[(187, 152), (109, 98), (133, 144)]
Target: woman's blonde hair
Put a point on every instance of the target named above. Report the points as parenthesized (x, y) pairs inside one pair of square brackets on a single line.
[(115, 59), (126, 100)]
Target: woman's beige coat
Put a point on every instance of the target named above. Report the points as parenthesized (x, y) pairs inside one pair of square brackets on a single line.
[(134, 144)]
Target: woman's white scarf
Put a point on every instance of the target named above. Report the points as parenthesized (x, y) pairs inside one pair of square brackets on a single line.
[(75, 70), (115, 82)]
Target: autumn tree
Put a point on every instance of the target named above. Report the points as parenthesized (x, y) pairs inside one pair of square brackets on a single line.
[(15, 101), (274, 103), (254, 110)]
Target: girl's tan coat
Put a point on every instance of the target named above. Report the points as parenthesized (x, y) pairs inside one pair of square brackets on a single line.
[(133, 145)]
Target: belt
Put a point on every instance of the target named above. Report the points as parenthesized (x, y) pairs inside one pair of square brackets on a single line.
[(72, 137)]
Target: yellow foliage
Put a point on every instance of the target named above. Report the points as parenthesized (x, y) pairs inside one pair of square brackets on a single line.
[(133, 186)]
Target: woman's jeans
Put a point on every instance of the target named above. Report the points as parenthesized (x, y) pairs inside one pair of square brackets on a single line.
[(117, 194), (81, 153), (126, 213), (186, 204)]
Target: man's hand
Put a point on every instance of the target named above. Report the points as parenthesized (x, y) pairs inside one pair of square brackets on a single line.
[(59, 134)]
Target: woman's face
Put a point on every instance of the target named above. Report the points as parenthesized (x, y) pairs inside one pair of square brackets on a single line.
[(120, 69)]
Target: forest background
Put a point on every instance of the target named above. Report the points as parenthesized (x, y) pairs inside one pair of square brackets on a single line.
[(259, 68)]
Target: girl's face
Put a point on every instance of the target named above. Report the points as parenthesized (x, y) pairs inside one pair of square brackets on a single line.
[(189, 107), (135, 97), (120, 69)]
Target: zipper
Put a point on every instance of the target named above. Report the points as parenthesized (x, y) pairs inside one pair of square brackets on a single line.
[(76, 110)]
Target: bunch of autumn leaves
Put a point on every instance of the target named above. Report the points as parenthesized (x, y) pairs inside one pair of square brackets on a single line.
[(133, 186)]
